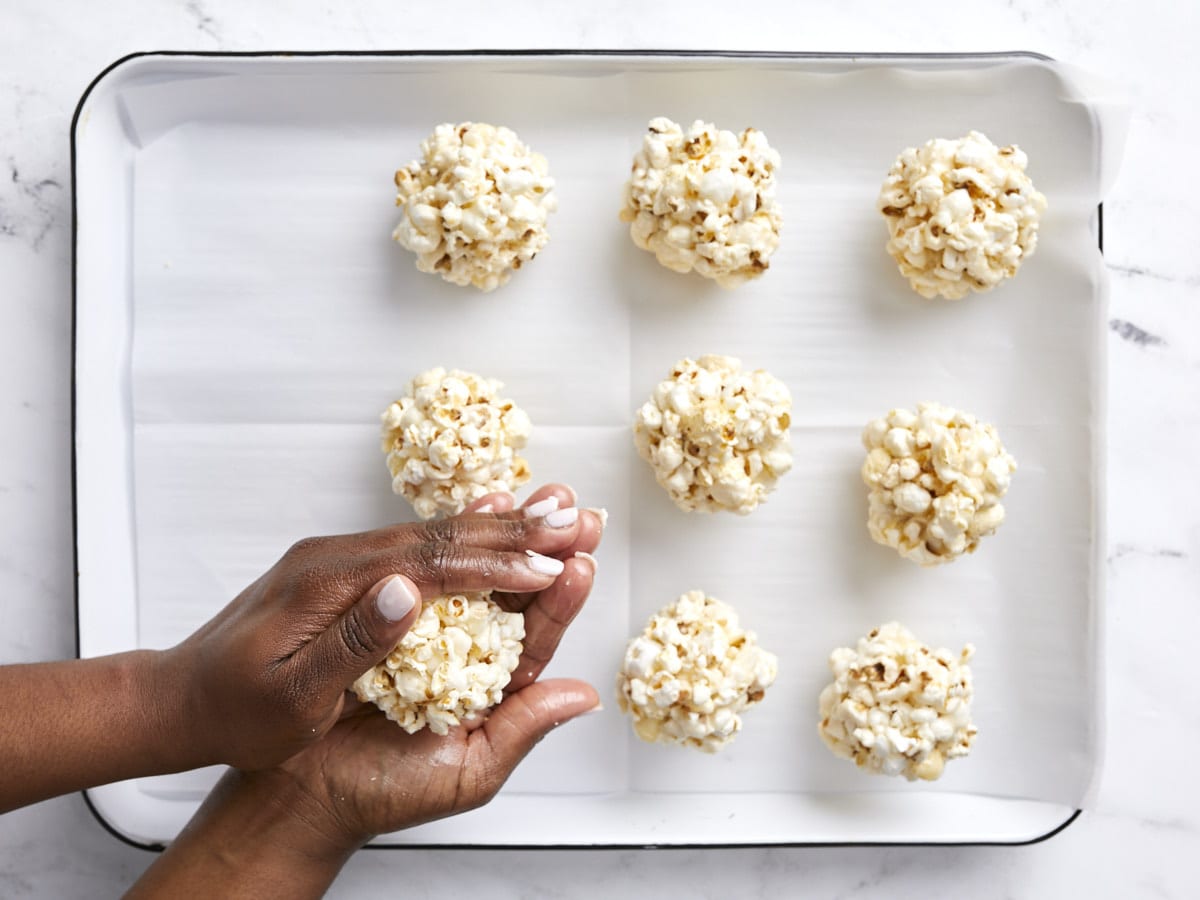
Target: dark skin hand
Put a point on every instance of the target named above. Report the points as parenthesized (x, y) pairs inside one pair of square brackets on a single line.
[(267, 676), (285, 831)]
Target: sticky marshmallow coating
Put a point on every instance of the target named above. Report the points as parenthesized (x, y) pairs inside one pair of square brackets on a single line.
[(690, 674), (962, 215), (716, 437), (474, 207), (703, 200), (451, 439), (454, 662), (936, 477), (896, 707)]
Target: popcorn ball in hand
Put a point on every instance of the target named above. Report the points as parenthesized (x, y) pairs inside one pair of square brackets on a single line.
[(704, 200), (475, 205), (936, 478), (451, 439), (454, 662), (896, 707), (687, 678), (717, 437), (962, 215)]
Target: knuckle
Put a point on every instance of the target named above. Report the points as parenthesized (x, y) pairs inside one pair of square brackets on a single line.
[(515, 531), (356, 636), (308, 547), (433, 558), (439, 530)]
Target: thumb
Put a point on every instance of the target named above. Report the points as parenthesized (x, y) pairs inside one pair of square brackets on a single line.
[(364, 634), (515, 726)]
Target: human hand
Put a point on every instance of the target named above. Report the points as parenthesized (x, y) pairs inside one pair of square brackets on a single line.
[(286, 831), (267, 676), (367, 776)]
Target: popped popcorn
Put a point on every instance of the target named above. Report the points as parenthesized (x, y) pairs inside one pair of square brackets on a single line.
[(897, 707), (692, 671), (704, 200), (962, 215), (717, 437), (475, 206), (454, 662), (936, 477), (451, 439)]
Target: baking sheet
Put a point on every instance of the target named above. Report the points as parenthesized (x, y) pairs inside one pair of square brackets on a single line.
[(272, 319)]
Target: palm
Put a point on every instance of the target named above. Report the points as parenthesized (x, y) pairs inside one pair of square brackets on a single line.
[(381, 779), (375, 778)]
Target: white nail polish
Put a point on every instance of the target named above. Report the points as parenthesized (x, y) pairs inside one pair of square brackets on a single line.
[(486, 508), (601, 514), (544, 565), (561, 518), (579, 554), (395, 600), (539, 509)]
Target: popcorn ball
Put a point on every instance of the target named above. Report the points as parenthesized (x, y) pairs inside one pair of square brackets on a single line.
[(704, 200), (475, 205), (451, 439), (454, 662), (691, 672), (936, 478), (962, 215), (717, 437), (896, 707)]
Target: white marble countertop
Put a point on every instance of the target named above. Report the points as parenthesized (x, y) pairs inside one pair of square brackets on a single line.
[(1137, 840)]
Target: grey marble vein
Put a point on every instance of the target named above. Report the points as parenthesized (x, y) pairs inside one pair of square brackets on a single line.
[(1127, 331), (1153, 274), (31, 206), (205, 23), (1122, 550)]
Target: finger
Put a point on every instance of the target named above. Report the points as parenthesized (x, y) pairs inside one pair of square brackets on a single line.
[(590, 533), (563, 493), (547, 497), (360, 637), (500, 501), (591, 530), (446, 567), (550, 530), (559, 495), (547, 618), (524, 718)]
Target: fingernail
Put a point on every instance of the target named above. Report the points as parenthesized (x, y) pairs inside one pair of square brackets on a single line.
[(579, 554), (486, 508), (539, 509), (599, 707), (395, 600), (561, 518), (601, 514), (544, 565)]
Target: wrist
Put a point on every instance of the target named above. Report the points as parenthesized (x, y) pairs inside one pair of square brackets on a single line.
[(288, 817), (249, 839), (167, 706)]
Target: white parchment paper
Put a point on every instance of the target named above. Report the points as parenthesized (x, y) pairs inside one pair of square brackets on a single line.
[(274, 320)]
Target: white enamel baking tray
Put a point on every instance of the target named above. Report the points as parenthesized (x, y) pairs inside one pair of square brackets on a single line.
[(241, 317)]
